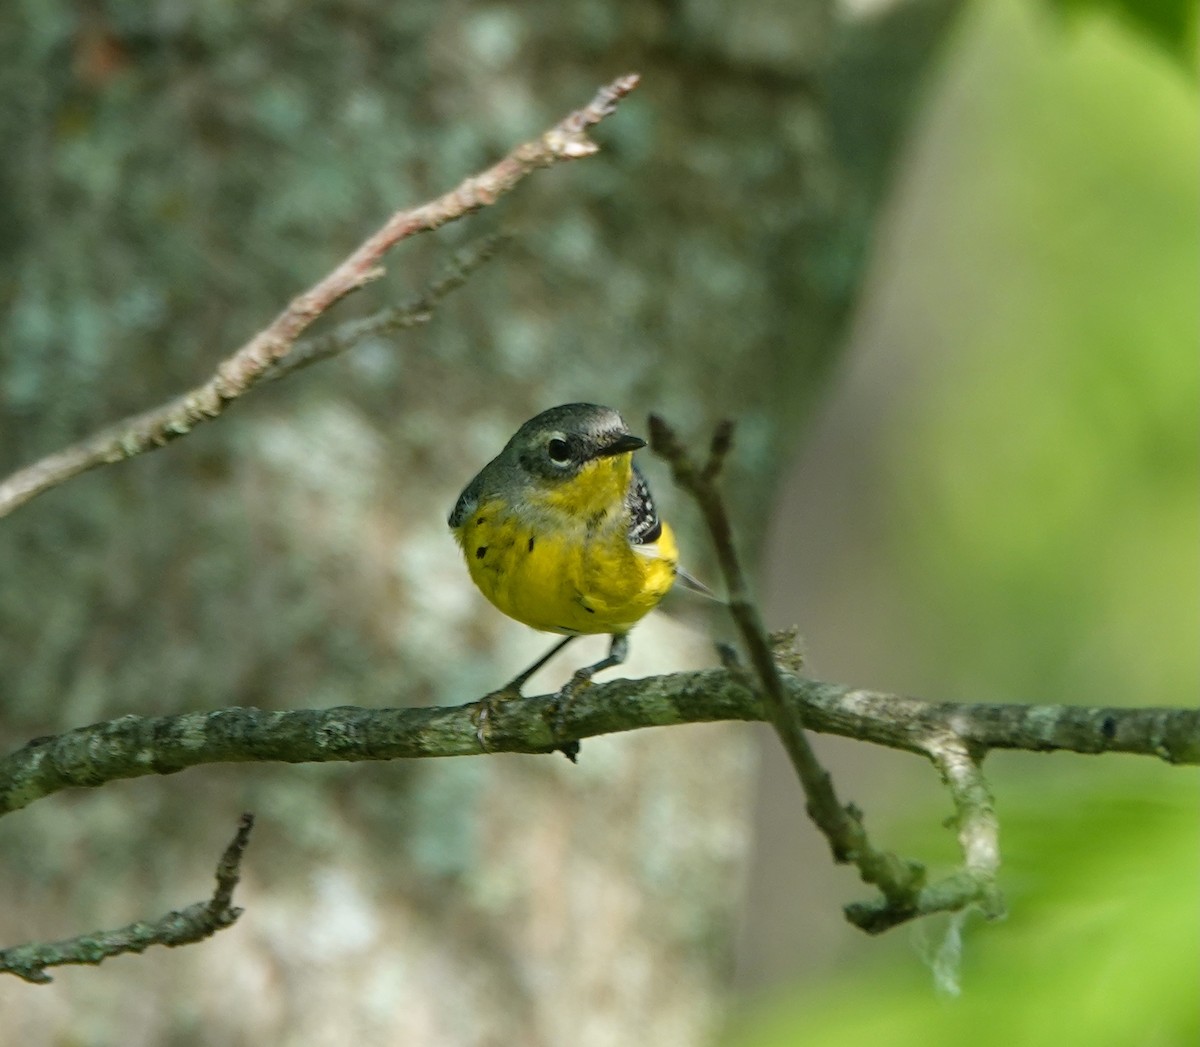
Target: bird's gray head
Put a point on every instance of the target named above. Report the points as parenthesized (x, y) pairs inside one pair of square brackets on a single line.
[(546, 452), (559, 442)]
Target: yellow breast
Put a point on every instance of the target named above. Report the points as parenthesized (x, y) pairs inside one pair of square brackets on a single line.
[(563, 571)]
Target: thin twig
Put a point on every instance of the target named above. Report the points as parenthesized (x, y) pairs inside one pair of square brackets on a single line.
[(182, 927), (397, 318), (899, 879), (974, 884), (240, 372)]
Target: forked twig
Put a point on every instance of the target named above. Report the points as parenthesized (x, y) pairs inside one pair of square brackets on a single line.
[(413, 313), (254, 361), (901, 881)]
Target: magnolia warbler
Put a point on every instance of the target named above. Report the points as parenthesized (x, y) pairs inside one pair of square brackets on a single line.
[(560, 532)]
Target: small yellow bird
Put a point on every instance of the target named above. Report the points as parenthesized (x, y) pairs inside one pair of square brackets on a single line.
[(560, 532)]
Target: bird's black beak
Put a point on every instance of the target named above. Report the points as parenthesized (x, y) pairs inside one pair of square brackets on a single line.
[(621, 445)]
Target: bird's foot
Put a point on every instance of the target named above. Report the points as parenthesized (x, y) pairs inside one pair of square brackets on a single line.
[(481, 713), (562, 706)]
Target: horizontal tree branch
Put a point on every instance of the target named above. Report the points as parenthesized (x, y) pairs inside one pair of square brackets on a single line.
[(253, 362), (132, 746), (180, 927)]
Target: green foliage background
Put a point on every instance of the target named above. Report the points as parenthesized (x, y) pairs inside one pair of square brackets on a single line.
[(1037, 475)]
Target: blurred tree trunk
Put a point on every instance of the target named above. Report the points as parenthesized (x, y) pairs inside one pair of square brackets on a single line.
[(172, 175)]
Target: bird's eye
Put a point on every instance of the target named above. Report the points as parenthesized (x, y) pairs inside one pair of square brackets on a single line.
[(558, 450)]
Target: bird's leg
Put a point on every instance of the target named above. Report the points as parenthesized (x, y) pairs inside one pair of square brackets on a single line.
[(617, 653), (485, 706), (512, 689)]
